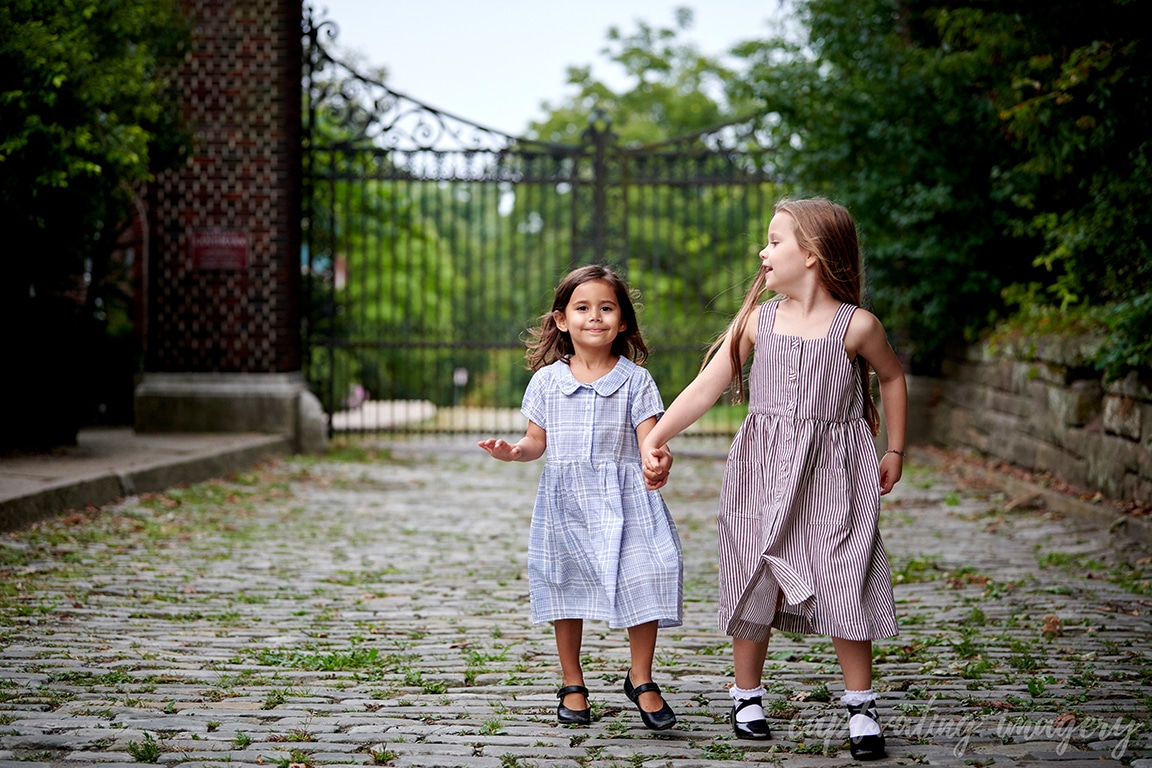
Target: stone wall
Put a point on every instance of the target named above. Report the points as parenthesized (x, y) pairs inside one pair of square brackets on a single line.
[(1038, 404)]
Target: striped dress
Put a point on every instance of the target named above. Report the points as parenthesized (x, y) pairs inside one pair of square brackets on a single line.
[(601, 546), (799, 545)]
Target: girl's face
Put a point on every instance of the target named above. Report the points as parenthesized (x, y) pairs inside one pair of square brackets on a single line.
[(783, 259), (592, 318)]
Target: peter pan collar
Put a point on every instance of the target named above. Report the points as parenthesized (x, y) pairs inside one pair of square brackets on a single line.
[(605, 386)]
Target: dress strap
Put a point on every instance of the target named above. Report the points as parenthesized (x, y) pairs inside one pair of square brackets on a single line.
[(767, 316), (839, 326)]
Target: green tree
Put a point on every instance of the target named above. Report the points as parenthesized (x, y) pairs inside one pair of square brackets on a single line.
[(1076, 113), (984, 148), (672, 89), (86, 117), (904, 136)]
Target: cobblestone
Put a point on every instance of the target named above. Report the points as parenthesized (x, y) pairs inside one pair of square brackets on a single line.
[(371, 607)]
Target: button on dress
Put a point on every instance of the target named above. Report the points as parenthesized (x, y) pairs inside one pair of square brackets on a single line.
[(800, 501), (601, 546)]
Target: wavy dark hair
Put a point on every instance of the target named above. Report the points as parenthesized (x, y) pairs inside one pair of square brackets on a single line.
[(547, 343), (826, 230)]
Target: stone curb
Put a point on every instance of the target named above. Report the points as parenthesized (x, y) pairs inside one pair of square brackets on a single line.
[(104, 486)]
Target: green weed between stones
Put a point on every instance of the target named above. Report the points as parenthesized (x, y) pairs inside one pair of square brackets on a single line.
[(332, 660), (915, 570), (382, 756), (721, 750), (146, 751), (296, 757)]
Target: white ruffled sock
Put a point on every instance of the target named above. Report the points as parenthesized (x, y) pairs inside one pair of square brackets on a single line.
[(861, 725), (752, 711)]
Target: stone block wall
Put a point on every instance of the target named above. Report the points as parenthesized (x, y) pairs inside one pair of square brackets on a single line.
[(1039, 405)]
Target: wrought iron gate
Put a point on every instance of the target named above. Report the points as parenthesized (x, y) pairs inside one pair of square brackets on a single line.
[(433, 243)]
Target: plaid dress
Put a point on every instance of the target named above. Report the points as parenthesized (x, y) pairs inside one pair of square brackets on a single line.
[(800, 501), (601, 546)]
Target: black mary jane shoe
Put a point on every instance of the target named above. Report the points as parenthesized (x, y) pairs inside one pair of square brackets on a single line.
[(661, 719), (566, 716), (756, 730), (869, 747)]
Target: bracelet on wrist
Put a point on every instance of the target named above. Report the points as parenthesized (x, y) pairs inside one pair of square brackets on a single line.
[(893, 450)]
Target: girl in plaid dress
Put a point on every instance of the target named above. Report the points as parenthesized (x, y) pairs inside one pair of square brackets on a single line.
[(602, 545), (800, 549)]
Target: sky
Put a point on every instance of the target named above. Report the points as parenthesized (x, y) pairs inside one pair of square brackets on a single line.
[(494, 62)]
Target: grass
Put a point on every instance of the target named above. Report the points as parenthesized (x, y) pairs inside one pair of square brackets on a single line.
[(330, 661), (382, 756), (146, 751), (296, 759), (916, 569), (721, 750)]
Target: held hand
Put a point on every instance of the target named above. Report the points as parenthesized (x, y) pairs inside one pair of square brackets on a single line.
[(501, 449), (891, 467), (655, 485), (657, 465), (652, 457)]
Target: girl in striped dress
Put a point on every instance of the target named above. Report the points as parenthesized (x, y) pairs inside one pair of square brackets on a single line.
[(799, 545), (602, 544)]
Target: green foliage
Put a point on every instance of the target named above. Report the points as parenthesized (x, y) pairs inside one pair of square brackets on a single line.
[(668, 94), (1128, 345), (979, 146), (87, 99), (899, 132), (146, 751), (87, 115)]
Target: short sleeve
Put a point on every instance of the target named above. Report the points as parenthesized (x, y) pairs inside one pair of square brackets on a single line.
[(533, 404), (645, 400)]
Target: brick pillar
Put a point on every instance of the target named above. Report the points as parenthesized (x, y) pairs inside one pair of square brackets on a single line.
[(222, 292)]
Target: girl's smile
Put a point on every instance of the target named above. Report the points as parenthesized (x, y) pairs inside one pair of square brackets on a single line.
[(593, 314), (783, 260)]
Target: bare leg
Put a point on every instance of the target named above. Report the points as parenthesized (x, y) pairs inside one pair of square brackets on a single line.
[(748, 660), (867, 740), (748, 655), (642, 644), (855, 662), (748, 719), (569, 634)]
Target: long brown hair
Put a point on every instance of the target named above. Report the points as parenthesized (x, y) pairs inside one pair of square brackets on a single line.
[(826, 230), (547, 343)]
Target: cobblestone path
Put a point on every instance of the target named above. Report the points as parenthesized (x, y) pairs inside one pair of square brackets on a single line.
[(370, 607)]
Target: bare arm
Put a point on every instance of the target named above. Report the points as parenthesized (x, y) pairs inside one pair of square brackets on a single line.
[(869, 340), (655, 476), (701, 394), (528, 448)]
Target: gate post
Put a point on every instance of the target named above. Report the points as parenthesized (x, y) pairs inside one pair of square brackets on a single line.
[(222, 285), (600, 135)]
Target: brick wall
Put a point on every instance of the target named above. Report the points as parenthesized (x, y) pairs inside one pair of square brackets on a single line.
[(1038, 404), (223, 277)]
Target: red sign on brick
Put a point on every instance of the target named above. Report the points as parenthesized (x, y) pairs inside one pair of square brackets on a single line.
[(219, 249)]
